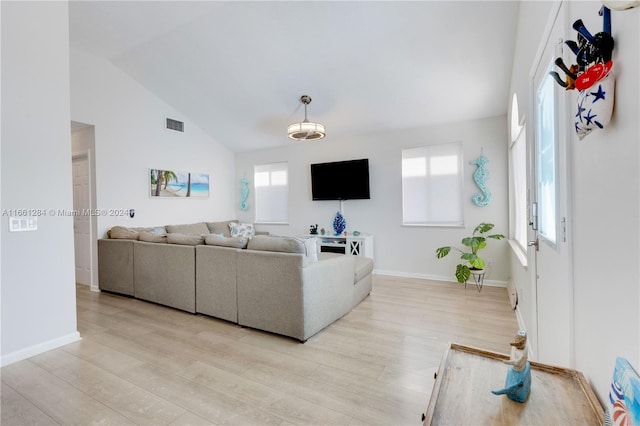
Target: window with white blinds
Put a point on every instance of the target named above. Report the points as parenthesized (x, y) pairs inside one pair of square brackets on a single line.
[(518, 188), (432, 178), (271, 185)]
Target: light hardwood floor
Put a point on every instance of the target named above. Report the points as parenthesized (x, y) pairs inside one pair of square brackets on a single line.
[(141, 363)]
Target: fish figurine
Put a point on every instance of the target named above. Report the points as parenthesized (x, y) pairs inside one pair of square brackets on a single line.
[(518, 382)]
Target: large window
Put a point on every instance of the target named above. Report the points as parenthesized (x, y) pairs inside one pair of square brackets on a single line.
[(546, 160), (271, 182), (518, 183), (432, 185), (518, 178)]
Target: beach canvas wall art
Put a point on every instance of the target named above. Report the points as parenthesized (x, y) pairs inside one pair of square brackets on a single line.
[(177, 184), (623, 406)]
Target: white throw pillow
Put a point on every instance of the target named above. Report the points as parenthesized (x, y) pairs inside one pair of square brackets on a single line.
[(311, 248)]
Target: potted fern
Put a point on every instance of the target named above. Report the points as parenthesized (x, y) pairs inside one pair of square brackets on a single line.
[(474, 243)]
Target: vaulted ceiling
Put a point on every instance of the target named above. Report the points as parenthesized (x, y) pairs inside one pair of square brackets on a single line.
[(237, 69)]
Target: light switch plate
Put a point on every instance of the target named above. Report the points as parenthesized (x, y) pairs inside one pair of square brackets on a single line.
[(23, 223)]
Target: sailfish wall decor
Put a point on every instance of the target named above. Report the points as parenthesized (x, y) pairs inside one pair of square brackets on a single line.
[(592, 76)]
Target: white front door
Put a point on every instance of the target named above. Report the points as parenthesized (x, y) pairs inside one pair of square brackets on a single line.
[(551, 175), (81, 222)]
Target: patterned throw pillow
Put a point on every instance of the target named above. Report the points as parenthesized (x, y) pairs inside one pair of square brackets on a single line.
[(241, 230)]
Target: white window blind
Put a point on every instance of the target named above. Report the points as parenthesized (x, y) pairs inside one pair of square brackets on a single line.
[(432, 185), (271, 185)]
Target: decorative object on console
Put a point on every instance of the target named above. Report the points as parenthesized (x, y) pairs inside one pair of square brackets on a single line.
[(474, 243), (356, 233), (518, 383), (339, 224), (306, 130), (322, 231), (170, 183), (313, 229), (479, 177), (244, 193), (592, 76)]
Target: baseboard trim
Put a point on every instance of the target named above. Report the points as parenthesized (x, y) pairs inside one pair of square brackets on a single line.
[(490, 283), (38, 349)]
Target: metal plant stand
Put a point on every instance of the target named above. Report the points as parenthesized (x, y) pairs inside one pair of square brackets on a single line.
[(478, 279)]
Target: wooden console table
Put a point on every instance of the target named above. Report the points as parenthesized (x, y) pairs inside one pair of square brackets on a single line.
[(462, 393)]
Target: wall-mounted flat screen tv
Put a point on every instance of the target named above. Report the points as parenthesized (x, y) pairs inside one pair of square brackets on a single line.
[(341, 180)]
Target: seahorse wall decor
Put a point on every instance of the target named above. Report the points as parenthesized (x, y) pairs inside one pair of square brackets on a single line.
[(244, 193), (479, 177), (592, 75)]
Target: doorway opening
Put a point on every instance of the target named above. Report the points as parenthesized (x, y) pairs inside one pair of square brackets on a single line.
[(85, 227)]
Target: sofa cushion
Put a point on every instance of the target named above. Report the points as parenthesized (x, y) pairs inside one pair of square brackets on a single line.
[(199, 228), (241, 229), (187, 240), (123, 233), (364, 266), (218, 227), (280, 244), (218, 240), (153, 237)]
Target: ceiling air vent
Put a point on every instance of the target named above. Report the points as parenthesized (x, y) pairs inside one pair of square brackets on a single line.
[(176, 125)]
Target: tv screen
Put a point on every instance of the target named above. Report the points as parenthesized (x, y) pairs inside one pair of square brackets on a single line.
[(341, 180)]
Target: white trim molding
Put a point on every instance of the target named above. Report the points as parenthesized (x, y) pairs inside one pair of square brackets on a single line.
[(38, 349)]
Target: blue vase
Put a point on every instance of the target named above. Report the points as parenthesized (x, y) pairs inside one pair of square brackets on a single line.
[(339, 224)]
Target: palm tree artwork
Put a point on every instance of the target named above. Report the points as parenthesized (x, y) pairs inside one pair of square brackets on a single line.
[(172, 183), (168, 176)]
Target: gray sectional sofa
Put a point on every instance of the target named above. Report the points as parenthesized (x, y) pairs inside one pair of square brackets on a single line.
[(277, 284)]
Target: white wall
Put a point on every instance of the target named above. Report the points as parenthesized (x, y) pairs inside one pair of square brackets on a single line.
[(399, 250), (606, 222), (130, 139), (38, 279), (606, 197)]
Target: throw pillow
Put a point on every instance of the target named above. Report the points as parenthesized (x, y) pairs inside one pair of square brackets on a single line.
[(222, 241), (123, 233), (311, 248), (152, 237), (187, 240), (241, 230), (216, 227)]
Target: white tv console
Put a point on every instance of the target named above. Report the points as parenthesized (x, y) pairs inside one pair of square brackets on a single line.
[(361, 245)]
